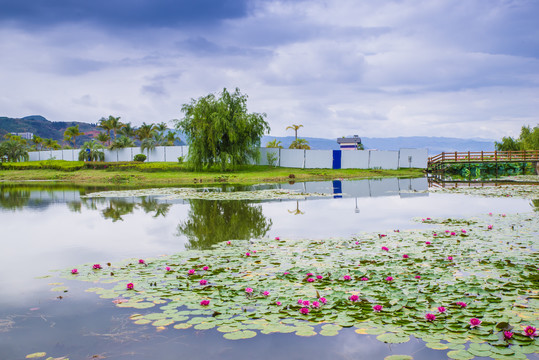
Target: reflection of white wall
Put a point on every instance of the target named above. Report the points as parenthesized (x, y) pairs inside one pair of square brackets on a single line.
[(356, 188), (318, 159), (413, 158), (384, 159), (293, 158), (384, 187), (355, 159)]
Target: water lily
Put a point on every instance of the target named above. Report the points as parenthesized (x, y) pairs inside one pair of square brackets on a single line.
[(353, 298), (463, 231), (430, 317), (429, 219), (364, 278), (167, 268), (97, 267), (490, 214), (130, 286), (310, 280), (453, 233), (309, 274), (205, 302), (377, 308), (474, 322), (427, 242), (382, 235), (316, 304), (489, 227), (74, 271), (530, 332), (277, 238), (300, 301), (389, 278), (304, 310), (347, 277), (319, 277), (286, 273), (278, 303), (507, 335), (405, 256), (266, 293), (450, 258), (205, 268), (461, 304), (191, 271), (141, 261), (228, 243), (323, 300), (357, 242), (418, 277), (306, 302), (434, 234), (384, 248), (441, 309), (203, 282), (247, 254), (248, 290)]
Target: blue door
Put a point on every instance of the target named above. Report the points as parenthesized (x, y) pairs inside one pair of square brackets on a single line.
[(337, 154), (337, 189)]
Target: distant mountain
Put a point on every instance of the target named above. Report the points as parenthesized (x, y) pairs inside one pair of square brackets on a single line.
[(435, 145)]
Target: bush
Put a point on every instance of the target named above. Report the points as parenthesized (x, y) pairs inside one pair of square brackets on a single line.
[(180, 159), (140, 157)]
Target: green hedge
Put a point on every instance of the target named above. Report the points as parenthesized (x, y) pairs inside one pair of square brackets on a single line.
[(62, 165)]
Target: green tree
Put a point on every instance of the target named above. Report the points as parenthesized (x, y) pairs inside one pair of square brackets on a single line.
[(71, 134), (127, 130), (51, 144), (145, 131), (295, 128), (103, 138), (221, 131), (111, 124), (528, 140), (300, 144), (38, 141), (13, 150), (171, 137), (96, 152), (274, 144), (122, 142)]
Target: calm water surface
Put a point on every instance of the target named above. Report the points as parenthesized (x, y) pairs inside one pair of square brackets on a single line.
[(47, 228)]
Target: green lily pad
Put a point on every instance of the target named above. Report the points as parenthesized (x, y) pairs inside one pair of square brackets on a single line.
[(392, 338), (238, 335)]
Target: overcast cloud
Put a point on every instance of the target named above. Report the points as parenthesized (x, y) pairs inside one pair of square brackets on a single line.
[(339, 67)]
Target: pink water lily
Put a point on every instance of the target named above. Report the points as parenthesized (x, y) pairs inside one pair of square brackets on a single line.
[(306, 303), (277, 238), (389, 278), (450, 258), (434, 234), (530, 332), (461, 304), (382, 235), (427, 242), (167, 268), (309, 274), (507, 335), (319, 277), (266, 293), (323, 300), (463, 231), (203, 282), (248, 290), (228, 243), (453, 233), (304, 310), (316, 304), (474, 322), (430, 317), (310, 280), (141, 261), (377, 308), (286, 273), (357, 242), (191, 271), (278, 303), (347, 277), (74, 271), (441, 309), (364, 279), (205, 268), (300, 301), (418, 277), (205, 302), (130, 286), (247, 254), (97, 267), (405, 256), (384, 248), (353, 298), (489, 227)]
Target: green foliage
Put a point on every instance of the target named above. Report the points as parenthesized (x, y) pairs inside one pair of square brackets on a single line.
[(300, 144), (71, 134), (60, 165), (122, 142), (528, 140), (180, 159), (272, 158), (274, 144), (139, 157), (488, 169), (221, 131), (13, 150), (96, 152)]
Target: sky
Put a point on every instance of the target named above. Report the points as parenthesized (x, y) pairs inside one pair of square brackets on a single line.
[(467, 69)]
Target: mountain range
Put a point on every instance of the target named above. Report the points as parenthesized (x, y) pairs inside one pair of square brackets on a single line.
[(44, 128)]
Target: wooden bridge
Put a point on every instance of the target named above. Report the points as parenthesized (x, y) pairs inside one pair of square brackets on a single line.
[(436, 163)]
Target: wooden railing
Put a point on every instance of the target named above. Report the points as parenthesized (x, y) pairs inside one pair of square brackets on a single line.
[(484, 156)]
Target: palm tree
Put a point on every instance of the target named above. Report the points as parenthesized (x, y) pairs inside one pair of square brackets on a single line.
[(51, 144), (127, 130), (274, 144), (103, 138), (71, 134), (122, 142), (116, 124), (161, 127), (295, 128), (106, 125), (96, 152), (300, 144), (13, 150), (38, 141), (171, 137), (145, 131)]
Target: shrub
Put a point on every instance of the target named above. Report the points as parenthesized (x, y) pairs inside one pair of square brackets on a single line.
[(140, 157), (180, 159)]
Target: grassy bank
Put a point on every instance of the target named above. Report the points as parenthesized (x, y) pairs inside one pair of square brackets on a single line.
[(150, 174)]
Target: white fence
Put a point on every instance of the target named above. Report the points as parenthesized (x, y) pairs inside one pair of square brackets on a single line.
[(290, 158)]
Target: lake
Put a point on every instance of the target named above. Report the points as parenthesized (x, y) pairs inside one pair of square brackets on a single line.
[(49, 227)]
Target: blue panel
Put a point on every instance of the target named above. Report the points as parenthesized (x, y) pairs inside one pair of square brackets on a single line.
[(337, 189), (337, 154)]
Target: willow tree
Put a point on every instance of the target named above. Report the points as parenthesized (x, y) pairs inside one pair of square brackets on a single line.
[(219, 130)]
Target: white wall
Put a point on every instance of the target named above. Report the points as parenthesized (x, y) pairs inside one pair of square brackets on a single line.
[(293, 158), (413, 158), (388, 160), (355, 159), (318, 159)]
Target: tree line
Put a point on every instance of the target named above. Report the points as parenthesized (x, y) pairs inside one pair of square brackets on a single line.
[(527, 140)]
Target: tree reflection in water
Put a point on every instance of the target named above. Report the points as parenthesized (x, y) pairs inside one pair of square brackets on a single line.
[(14, 199), (210, 222), (119, 207)]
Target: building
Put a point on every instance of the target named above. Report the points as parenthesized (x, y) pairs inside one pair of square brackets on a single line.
[(24, 135), (352, 143)]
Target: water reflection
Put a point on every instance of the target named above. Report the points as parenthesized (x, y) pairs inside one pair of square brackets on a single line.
[(210, 222)]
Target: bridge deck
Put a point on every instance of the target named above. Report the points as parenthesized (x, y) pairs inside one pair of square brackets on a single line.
[(437, 161)]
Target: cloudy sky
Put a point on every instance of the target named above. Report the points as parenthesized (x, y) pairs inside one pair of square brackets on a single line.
[(338, 67)]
